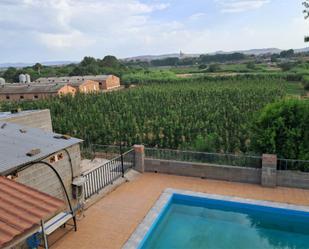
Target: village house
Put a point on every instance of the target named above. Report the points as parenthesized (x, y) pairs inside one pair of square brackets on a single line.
[(106, 82), (43, 168), (86, 86), (18, 92)]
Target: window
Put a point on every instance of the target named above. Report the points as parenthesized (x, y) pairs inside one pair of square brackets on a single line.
[(7, 97), (12, 176), (60, 156), (36, 96), (21, 97), (52, 159)]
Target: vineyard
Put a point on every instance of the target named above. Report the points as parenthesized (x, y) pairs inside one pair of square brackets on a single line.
[(169, 115)]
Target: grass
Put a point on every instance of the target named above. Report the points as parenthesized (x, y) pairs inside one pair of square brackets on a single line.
[(295, 88)]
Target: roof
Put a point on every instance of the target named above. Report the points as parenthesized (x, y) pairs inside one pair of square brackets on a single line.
[(80, 83), (11, 115), (16, 141), (72, 79), (22, 208), (30, 88)]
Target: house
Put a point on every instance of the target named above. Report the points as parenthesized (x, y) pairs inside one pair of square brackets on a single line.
[(22, 149), (18, 92), (46, 162), (86, 86), (106, 82)]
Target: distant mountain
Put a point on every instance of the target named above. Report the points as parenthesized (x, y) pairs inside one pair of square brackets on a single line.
[(46, 63), (301, 50), (159, 57), (256, 52)]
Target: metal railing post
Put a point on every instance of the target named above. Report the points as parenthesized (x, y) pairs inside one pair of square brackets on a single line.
[(121, 157)]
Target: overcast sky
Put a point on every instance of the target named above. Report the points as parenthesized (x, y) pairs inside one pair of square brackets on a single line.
[(47, 30)]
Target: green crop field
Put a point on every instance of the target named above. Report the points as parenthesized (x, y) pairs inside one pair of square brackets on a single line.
[(170, 115)]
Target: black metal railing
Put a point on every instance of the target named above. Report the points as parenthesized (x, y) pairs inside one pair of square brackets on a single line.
[(91, 151), (292, 164), (204, 157), (104, 175)]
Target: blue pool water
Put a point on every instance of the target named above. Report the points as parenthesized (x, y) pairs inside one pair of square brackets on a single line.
[(199, 223)]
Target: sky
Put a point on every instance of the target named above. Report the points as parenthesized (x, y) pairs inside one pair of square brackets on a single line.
[(54, 30)]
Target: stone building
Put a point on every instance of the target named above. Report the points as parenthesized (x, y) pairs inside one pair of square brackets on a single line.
[(32, 118), (44, 161), (86, 86), (18, 92), (24, 152), (106, 82)]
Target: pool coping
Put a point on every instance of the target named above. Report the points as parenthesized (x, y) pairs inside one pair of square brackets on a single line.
[(152, 216)]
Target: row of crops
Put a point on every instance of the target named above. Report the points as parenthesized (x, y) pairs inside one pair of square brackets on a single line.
[(165, 115)]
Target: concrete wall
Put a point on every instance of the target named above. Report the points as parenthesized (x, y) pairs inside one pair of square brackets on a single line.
[(36, 119), (42, 178), (293, 179), (218, 172), (267, 176)]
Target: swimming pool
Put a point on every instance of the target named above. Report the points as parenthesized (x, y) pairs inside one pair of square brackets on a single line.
[(188, 220)]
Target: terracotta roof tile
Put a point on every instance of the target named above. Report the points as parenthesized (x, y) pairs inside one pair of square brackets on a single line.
[(22, 208)]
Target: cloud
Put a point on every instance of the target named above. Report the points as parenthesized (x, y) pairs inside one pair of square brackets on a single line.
[(63, 24), (70, 40), (235, 6), (197, 16), (40, 30)]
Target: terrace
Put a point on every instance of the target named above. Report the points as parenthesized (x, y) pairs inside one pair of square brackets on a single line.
[(110, 221)]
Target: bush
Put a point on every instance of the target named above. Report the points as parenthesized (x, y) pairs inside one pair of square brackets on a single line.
[(306, 82), (214, 68), (251, 65), (282, 128), (286, 66)]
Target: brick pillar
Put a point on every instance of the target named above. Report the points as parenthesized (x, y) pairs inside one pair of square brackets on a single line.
[(139, 158), (269, 170)]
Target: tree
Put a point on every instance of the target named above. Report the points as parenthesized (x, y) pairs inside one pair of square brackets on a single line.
[(306, 12), (110, 61), (286, 66), (213, 68), (88, 61), (274, 57), (251, 65), (282, 128), (202, 66), (38, 67), (287, 53), (11, 75)]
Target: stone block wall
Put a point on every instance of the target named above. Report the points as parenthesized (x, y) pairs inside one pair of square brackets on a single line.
[(292, 179), (36, 119), (269, 170), (42, 178), (209, 171)]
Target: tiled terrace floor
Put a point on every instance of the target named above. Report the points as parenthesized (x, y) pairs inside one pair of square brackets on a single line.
[(110, 222)]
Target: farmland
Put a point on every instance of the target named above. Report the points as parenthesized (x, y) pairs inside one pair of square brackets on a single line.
[(177, 114)]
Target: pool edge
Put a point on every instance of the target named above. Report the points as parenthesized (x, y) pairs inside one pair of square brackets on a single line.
[(143, 230)]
